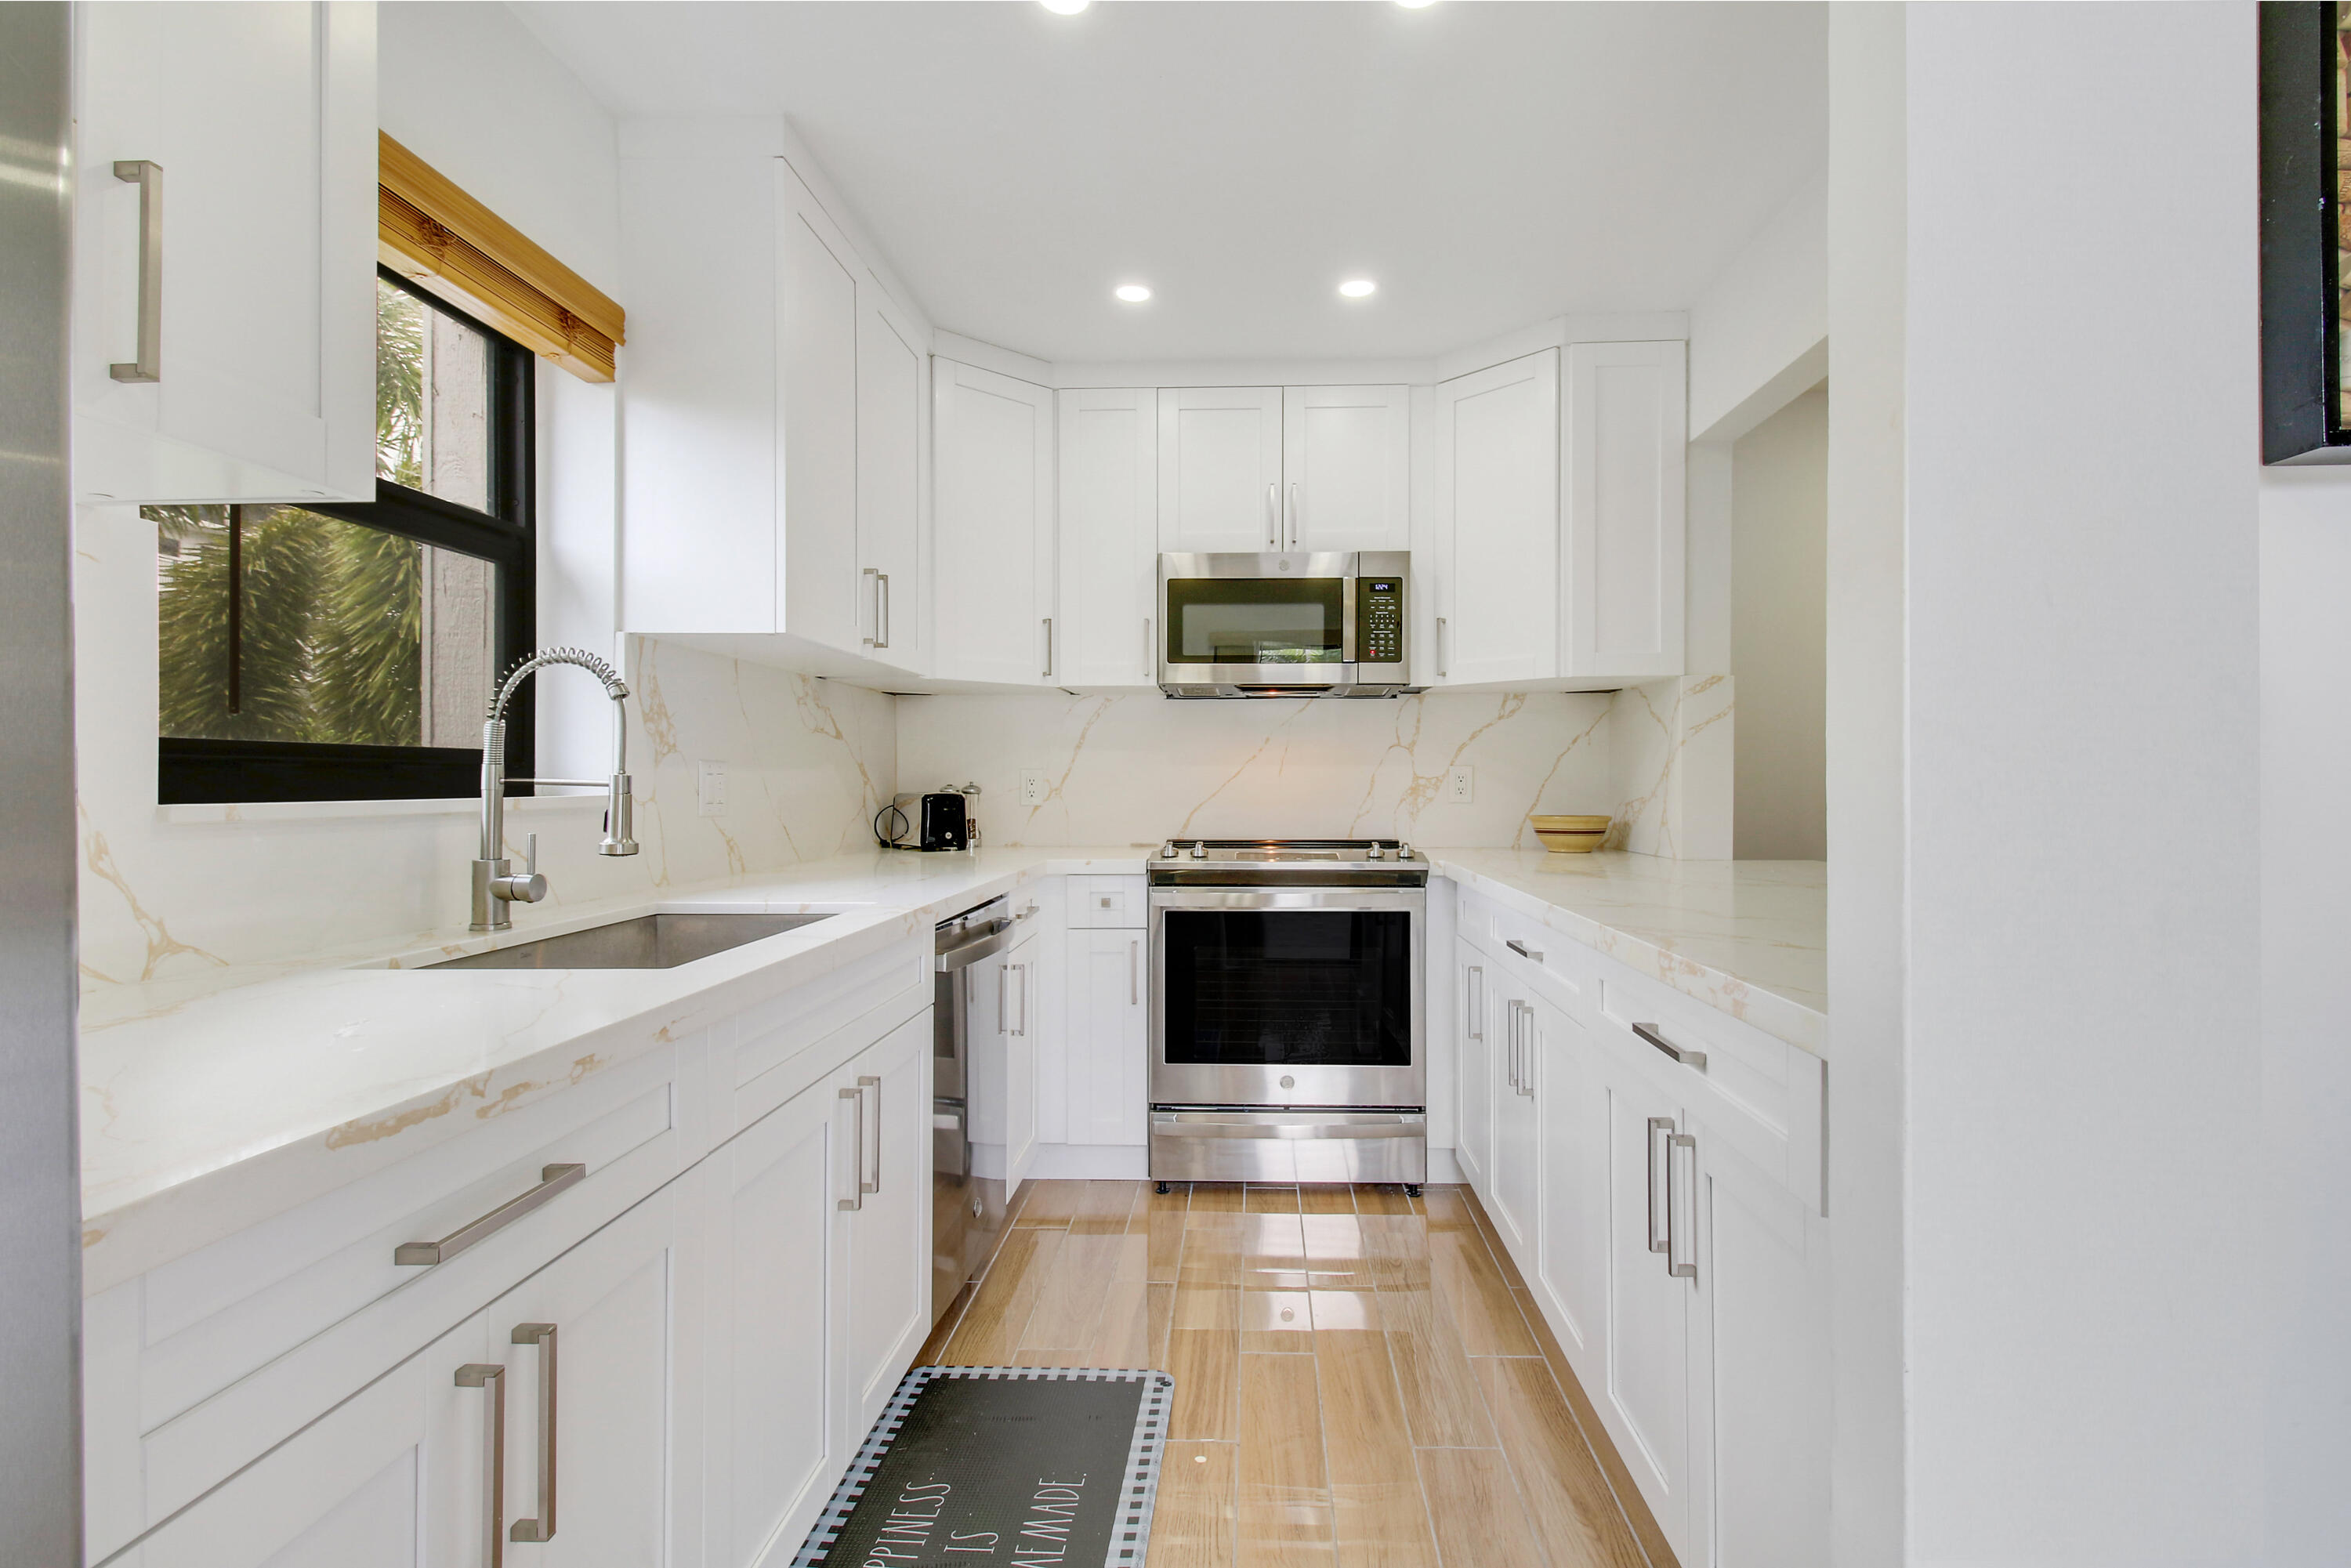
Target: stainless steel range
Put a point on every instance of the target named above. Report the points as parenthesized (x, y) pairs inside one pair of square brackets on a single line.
[(1287, 1037)]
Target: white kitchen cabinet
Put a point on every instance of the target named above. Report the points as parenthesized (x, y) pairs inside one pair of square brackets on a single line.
[(1026, 973), (885, 1238), (1627, 418), (1514, 1179), (1108, 532), (1497, 503), (1346, 468), (893, 410), (1476, 1058), (261, 119), (771, 424), (398, 1477), (1571, 1256), (1107, 1037), (1221, 468), (993, 545), (1644, 1388)]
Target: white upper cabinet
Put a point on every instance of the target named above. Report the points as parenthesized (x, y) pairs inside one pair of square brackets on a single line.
[(1109, 473), (992, 460), (1346, 480), (1626, 440), (1221, 468), (242, 368), (1497, 503), (773, 420), (892, 382)]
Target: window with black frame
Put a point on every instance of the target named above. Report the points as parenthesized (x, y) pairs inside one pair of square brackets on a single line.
[(335, 652)]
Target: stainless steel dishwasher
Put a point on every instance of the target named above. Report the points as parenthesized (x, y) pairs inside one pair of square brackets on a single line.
[(966, 1211)]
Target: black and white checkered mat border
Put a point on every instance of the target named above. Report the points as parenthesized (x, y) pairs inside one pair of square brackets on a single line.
[(1143, 1455)]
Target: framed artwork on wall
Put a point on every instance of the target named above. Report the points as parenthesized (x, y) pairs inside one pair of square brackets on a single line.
[(2304, 54)]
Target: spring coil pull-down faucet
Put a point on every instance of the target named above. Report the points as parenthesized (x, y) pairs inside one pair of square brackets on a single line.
[(497, 885)]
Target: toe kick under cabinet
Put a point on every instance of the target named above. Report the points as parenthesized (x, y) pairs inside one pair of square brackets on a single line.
[(668, 1357), (1655, 1168)]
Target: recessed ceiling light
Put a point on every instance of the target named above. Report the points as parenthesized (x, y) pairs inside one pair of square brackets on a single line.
[(1133, 293), (1359, 289), (1072, 7)]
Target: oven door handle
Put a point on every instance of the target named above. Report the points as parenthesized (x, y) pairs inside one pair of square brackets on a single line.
[(1184, 1126)]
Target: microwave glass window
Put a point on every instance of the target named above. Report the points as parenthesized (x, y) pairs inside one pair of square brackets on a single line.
[(1255, 621)]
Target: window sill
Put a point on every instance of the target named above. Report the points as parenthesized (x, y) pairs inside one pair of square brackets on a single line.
[(332, 811)]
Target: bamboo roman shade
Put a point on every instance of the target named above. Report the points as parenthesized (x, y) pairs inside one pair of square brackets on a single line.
[(451, 245)]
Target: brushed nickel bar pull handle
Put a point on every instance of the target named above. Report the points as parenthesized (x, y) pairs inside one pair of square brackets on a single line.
[(1474, 1023), (552, 1179), (875, 1185), (1049, 648), (1290, 533), (857, 1164), (484, 1374), (881, 608), (1273, 515), (1675, 1239), (1440, 647), (1003, 991), (1660, 1237), (1135, 972), (1526, 1052), (1680, 1053), (1521, 949), (874, 640), (543, 1527), (148, 175)]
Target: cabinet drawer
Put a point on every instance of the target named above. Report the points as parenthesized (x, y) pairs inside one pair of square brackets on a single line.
[(1107, 901), (766, 1052), (1523, 944), (1755, 1094), (208, 1360)]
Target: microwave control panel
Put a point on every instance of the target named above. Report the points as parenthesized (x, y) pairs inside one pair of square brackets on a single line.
[(1379, 620)]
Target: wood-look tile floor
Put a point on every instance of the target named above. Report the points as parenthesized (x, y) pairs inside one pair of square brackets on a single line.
[(1360, 1378)]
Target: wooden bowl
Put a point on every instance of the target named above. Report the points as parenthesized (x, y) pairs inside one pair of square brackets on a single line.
[(1557, 824)]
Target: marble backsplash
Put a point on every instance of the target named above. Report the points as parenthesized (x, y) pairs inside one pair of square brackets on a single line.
[(166, 890), (1137, 768), (1669, 745)]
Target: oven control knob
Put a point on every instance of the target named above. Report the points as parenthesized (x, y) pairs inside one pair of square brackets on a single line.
[(1200, 850), (1288, 1082), (1404, 851), (1375, 851), (1167, 851)]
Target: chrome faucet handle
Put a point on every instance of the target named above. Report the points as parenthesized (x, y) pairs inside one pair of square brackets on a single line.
[(528, 887)]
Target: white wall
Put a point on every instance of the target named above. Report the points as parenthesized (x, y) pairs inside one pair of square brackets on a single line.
[(2305, 998), (1135, 769), (1778, 626), (1757, 334), (2077, 1101)]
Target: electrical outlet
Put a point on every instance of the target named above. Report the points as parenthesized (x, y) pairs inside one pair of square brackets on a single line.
[(1034, 787), (1460, 786), (710, 787)]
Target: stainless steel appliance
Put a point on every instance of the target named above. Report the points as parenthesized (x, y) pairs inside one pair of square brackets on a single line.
[(1296, 624), (1288, 1040), (966, 1212)]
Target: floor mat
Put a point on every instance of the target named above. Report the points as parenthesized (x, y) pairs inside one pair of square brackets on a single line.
[(1003, 1465)]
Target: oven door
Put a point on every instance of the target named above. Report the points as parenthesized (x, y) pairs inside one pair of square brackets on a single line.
[(1279, 621), (1280, 997)]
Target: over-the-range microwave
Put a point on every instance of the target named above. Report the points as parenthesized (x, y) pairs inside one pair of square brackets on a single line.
[(1297, 624)]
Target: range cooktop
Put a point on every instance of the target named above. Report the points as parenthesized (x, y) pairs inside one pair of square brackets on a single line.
[(1287, 863)]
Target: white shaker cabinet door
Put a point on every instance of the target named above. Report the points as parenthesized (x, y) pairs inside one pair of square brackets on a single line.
[(1515, 1179), (1221, 468), (1645, 1385), (1626, 465), (1477, 1071), (1572, 1264), (770, 1202), (1109, 529), (1346, 481), (1497, 499), (992, 456), (245, 370), (1109, 1037), (891, 368), (817, 588), (885, 1238)]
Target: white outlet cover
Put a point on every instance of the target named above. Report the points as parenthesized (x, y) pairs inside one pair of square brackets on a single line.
[(710, 787), (1460, 786), (1034, 787)]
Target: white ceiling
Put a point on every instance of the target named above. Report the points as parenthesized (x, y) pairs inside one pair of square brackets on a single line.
[(1491, 165)]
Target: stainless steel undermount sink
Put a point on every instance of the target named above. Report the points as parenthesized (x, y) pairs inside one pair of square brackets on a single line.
[(648, 942)]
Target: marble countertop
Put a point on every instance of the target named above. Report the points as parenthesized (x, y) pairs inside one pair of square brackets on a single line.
[(205, 1100)]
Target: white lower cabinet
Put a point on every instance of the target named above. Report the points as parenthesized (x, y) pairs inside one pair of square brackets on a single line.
[(885, 1236), (402, 1475), (1663, 1213), (1109, 1027)]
